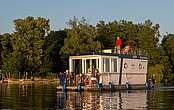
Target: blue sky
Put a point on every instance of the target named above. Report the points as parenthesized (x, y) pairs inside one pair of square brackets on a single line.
[(60, 11)]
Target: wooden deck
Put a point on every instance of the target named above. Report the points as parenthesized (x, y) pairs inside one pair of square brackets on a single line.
[(104, 88), (74, 88)]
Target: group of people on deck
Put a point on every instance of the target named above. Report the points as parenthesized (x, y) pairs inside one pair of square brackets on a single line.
[(90, 78)]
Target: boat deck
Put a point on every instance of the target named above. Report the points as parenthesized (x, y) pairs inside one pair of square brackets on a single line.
[(104, 88)]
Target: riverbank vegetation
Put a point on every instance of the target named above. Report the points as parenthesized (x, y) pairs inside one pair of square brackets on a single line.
[(34, 49)]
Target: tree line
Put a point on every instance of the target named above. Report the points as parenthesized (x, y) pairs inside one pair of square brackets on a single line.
[(34, 48)]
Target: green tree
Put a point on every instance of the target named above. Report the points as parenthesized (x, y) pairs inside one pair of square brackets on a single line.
[(104, 35), (81, 37), (27, 43), (6, 54), (168, 47), (52, 45), (1, 50), (143, 38)]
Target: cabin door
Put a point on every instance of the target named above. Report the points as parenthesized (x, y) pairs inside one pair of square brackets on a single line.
[(77, 66), (91, 65)]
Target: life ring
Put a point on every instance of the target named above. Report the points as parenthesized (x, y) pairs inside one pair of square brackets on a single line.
[(140, 66), (125, 65)]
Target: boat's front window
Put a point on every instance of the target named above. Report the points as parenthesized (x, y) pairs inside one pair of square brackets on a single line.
[(87, 64), (94, 63), (84, 66), (77, 66), (91, 64)]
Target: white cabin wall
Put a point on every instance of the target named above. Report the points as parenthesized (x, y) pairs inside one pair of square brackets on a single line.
[(110, 76), (83, 66), (113, 78), (133, 73), (101, 69), (133, 66), (100, 65), (70, 65), (110, 65), (133, 79), (118, 65)]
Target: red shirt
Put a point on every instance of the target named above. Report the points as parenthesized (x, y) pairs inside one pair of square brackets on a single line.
[(118, 41)]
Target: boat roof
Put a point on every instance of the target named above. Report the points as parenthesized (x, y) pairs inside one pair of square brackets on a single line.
[(110, 54)]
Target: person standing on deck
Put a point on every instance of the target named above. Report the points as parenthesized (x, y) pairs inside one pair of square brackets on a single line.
[(62, 77), (118, 44)]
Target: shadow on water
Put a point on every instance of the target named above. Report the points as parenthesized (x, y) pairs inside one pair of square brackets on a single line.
[(45, 96)]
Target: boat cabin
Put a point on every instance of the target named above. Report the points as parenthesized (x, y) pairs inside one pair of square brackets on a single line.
[(117, 69)]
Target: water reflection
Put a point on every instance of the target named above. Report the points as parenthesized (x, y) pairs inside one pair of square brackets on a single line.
[(29, 96), (45, 97), (100, 101), (161, 99)]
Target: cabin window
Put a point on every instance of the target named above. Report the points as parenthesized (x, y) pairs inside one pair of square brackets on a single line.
[(106, 64), (87, 65), (114, 65), (91, 64), (77, 66)]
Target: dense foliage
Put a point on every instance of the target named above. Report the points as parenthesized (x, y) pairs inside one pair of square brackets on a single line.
[(52, 44), (82, 37), (33, 48)]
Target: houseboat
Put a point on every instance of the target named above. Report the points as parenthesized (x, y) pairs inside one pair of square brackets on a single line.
[(105, 71)]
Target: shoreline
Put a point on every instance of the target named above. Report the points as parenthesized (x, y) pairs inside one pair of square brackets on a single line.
[(29, 81)]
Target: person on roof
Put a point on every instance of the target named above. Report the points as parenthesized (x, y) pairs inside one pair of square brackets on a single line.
[(118, 44)]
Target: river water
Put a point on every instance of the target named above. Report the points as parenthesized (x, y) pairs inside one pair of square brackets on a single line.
[(45, 97)]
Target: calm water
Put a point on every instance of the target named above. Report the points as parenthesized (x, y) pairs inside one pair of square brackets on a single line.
[(45, 97)]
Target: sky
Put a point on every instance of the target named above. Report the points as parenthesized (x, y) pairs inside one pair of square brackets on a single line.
[(59, 12)]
